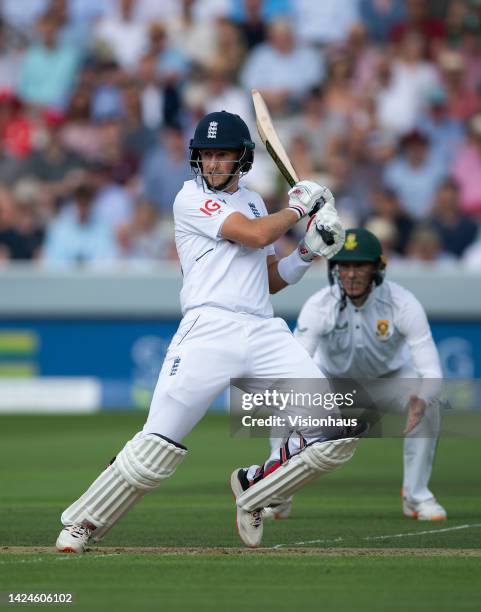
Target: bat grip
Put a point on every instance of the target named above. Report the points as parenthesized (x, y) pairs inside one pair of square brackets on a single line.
[(327, 236)]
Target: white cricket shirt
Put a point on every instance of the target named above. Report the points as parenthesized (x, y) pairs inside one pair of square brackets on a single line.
[(388, 332), (218, 272)]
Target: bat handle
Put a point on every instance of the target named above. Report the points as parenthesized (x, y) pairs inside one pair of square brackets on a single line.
[(327, 236)]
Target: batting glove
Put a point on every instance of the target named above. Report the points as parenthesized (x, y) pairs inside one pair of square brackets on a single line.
[(313, 244), (306, 197)]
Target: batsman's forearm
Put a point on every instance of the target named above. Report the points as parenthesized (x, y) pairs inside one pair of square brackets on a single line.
[(271, 228)]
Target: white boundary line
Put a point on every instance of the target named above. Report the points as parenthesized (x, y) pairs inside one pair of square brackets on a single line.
[(383, 537)]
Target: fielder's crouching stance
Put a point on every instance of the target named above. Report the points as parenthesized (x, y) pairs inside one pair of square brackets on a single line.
[(365, 327), (224, 240)]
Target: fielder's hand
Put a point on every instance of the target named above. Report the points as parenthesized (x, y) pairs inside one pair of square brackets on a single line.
[(416, 410), (313, 243), (306, 197)]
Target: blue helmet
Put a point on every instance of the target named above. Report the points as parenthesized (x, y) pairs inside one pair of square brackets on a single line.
[(223, 130)]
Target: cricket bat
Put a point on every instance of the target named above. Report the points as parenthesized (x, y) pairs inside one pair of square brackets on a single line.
[(276, 150)]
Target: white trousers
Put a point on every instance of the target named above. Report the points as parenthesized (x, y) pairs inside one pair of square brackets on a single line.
[(211, 347), (420, 444)]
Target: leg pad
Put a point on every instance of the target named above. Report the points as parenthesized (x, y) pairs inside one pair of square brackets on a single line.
[(304, 467), (139, 467)]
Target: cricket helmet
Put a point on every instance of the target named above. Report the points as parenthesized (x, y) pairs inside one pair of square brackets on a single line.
[(223, 130), (360, 246)]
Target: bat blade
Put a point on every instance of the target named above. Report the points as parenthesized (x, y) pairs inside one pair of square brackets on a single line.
[(271, 140), (276, 150)]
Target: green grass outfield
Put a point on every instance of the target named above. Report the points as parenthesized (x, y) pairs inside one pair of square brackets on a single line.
[(346, 546)]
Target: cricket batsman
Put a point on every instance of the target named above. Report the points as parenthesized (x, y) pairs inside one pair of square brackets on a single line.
[(224, 240), (363, 327)]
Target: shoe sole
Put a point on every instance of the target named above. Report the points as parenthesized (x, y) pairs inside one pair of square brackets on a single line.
[(236, 488), (67, 550), (414, 515)]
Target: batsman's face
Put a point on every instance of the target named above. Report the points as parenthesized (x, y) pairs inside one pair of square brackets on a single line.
[(217, 165), (356, 277)]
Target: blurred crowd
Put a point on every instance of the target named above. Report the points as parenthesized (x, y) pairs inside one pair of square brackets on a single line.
[(378, 99)]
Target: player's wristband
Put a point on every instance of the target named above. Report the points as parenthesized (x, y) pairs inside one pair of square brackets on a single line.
[(292, 268), (300, 210)]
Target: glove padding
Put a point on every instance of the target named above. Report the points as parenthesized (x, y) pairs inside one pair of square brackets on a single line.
[(312, 244), (305, 196)]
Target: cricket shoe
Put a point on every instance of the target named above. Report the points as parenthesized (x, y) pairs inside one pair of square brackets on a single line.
[(249, 524), (279, 511), (429, 510), (73, 539)]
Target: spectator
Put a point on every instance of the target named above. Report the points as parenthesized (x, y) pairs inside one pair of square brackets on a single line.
[(418, 20), (71, 32), (403, 85), (193, 37), (325, 23), (53, 165), (220, 92), (445, 133), (172, 66), (424, 246), (28, 225), (467, 168), (125, 37), (122, 162), (77, 238), (380, 17), (364, 58), (164, 169), (137, 138), (10, 60), (79, 134), (251, 17), (210, 10), (230, 47), (456, 230), (470, 48), (281, 69), (112, 203), (368, 151), (17, 130), (146, 11), (87, 11), (458, 16), (147, 237), (339, 97), (7, 233), (107, 103), (302, 159), (385, 232), (48, 68), (462, 101), (386, 206), (414, 175), (22, 15), (160, 104), (321, 130), (339, 168)]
